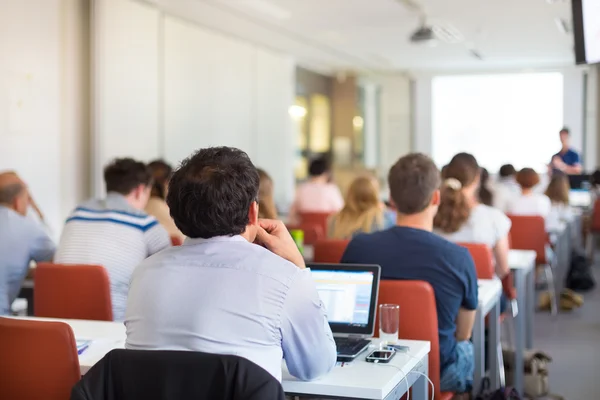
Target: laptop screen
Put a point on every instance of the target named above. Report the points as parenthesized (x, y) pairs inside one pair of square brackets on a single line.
[(349, 294)]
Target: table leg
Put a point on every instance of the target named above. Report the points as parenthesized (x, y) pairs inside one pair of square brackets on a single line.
[(520, 327), (529, 310), (478, 349), (493, 343), (420, 389)]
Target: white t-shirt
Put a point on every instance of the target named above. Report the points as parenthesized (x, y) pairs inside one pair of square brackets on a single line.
[(318, 197), (530, 204), (485, 225), (504, 192)]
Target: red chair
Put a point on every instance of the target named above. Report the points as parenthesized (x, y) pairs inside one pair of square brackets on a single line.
[(595, 226), (315, 218), (72, 291), (418, 320), (39, 360), (483, 259), (176, 241), (312, 233), (529, 233), (330, 250)]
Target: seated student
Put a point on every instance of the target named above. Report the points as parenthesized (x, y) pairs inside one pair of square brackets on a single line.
[(529, 202), (115, 232), (506, 188), (462, 218), (558, 193), (318, 194), (411, 251), (362, 213), (266, 201), (157, 206), (222, 293), (22, 239)]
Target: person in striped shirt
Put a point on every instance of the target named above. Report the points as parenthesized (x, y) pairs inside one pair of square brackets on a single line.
[(115, 232)]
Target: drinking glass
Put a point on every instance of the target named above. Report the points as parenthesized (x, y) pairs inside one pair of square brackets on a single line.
[(389, 322)]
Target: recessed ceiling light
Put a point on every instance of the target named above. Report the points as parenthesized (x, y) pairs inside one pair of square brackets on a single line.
[(262, 7)]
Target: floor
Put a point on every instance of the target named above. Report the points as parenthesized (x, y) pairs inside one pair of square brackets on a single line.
[(573, 341)]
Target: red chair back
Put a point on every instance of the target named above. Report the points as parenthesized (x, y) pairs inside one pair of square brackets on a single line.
[(330, 250), (72, 291), (176, 241), (528, 232), (483, 259), (315, 218), (418, 319), (312, 233), (39, 360), (596, 217)]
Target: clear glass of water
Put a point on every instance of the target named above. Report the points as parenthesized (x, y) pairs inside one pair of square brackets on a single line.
[(389, 322)]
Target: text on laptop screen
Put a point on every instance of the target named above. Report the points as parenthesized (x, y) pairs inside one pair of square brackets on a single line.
[(345, 295)]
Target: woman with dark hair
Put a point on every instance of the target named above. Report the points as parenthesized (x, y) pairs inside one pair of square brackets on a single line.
[(462, 218), (530, 202), (485, 194), (157, 206)]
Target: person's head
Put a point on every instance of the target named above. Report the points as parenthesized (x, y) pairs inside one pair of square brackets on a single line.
[(266, 201), (319, 168), (161, 175), (507, 171), (129, 178), (215, 193), (460, 189), (361, 209), (595, 178), (13, 193), (415, 188), (485, 194), (527, 178), (564, 137), (558, 189)]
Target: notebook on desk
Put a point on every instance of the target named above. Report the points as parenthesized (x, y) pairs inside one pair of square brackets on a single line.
[(349, 293)]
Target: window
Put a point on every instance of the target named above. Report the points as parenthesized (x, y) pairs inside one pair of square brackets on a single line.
[(512, 118)]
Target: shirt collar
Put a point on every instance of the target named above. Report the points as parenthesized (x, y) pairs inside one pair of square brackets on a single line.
[(193, 241)]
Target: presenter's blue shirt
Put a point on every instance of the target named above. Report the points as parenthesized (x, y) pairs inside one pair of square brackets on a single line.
[(570, 157), (415, 254)]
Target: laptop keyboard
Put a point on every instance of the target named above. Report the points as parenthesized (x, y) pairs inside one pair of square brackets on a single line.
[(350, 347)]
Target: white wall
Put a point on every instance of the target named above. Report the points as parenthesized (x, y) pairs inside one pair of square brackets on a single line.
[(166, 87), (39, 132), (573, 111)]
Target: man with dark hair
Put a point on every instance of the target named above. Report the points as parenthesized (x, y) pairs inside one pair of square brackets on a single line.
[(411, 251), (115, 232), (21, 238), (238, 285), (567, 159), (318, 194), (506, 188)]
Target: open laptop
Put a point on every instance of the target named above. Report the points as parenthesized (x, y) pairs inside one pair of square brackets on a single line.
[(349, 293)]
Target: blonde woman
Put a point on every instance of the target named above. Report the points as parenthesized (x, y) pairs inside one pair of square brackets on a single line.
[(362, 212), (266, 202)]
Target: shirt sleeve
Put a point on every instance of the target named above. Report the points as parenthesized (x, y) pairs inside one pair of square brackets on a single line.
[(308, 346), (157, 239), (470, 299), (42, 246), (501, 225), (576, 159)]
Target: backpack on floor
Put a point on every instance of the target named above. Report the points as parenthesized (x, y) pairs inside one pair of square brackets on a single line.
[(506, 393), (579, 277)]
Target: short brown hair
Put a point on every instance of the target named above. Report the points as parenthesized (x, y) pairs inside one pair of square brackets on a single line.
[(454, 208), (413, 180), (123, 175), (527, 178), (558, 189)]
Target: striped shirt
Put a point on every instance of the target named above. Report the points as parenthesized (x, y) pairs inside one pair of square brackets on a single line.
[(113, 234)]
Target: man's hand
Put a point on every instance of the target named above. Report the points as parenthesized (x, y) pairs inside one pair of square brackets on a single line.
[(275, 237)]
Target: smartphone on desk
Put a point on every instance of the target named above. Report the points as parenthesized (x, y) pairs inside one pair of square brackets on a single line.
[(381, 356)]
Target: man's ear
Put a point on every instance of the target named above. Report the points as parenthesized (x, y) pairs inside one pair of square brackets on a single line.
[(436, 198), (253, 213)]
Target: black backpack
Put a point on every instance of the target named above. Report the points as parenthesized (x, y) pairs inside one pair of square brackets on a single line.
[(579, 277), (501, 394)]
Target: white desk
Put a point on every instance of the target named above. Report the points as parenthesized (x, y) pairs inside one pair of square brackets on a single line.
[(522, 263), (489, 294), (363, 380), (359, 380)]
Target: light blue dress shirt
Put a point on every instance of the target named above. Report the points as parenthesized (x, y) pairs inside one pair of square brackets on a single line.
[(22, 239), (227, 296)]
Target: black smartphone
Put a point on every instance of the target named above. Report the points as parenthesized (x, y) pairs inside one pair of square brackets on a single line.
[(381, 356)]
